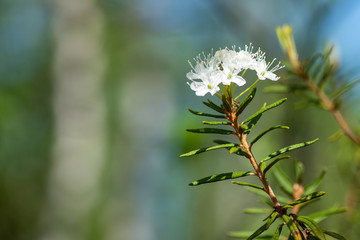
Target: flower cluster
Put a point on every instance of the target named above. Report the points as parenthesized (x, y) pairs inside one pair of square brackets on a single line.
[(224, 67)]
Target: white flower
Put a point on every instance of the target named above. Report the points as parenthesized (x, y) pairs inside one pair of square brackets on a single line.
[(200, 71), (209, 84), (224, 67), (245, 59), (227, 63), (263, 72), (209, 79), (228, 75)]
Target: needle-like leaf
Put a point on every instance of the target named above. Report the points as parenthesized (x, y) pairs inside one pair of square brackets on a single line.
[(262, 110), (266, 131), (220, 177), (215, 107), (315, 184), (288, 149), (306, 198), (334, 235), (216, 123), (312, 225), (246, 101), (211, 130), (206, 114), (292, 227), (248, 185), (206, 149)]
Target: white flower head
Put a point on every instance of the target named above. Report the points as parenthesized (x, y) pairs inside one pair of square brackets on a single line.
[(224, 67), (205, 70), (209, 84), (263, 72), (228, 66)]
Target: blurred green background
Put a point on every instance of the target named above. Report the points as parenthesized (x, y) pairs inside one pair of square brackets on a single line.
[(93, 112)]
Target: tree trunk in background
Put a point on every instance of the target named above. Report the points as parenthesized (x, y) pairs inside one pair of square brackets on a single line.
[(79, 141)]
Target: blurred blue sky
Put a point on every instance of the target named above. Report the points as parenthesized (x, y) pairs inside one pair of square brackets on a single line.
[(24, 25)]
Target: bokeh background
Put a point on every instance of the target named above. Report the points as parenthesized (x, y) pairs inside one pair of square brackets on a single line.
[(93, 108)]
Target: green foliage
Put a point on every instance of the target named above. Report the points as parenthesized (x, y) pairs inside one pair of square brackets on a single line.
[(280, 207), (285, 182), (216, 123), (334, 235), (320, 216), (288, 149), (248, 185), (312, 225), (294, 230), (268, 130), (246, 234), (246, 101), (304, 199), (264, 109), (315, 184), (220, 177), (265, 168), (277, 232), (206, 149), (206, 114), (213, 106), (256, 210), (210, 130)]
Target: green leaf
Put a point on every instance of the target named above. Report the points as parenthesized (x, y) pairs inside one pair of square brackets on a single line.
[(263, 194), (311, 237), (257, 232), (345, 88), (334, 235), (206, 149), (246, 234), (216, 123), (256, 191), (252, 123), (248, 185), (316, 67), (219, 141), (285, 182), (220, 177), (271, 219), (213, 106), (206, 114), (246, 101), (266, 131), (306, 198), (320, 216), (265, 168), (227, 102), (292, 227), (277, 232), (262, 110), (210, 130), (284, 88), (257, 210), (244, 127), (299, 171), (312, 225), (291, 237), (315, 184), (239, 151), (288, 149)]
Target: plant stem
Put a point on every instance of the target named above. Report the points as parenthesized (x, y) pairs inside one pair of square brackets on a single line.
[(330, 106), (252, 85), (242, 138)]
